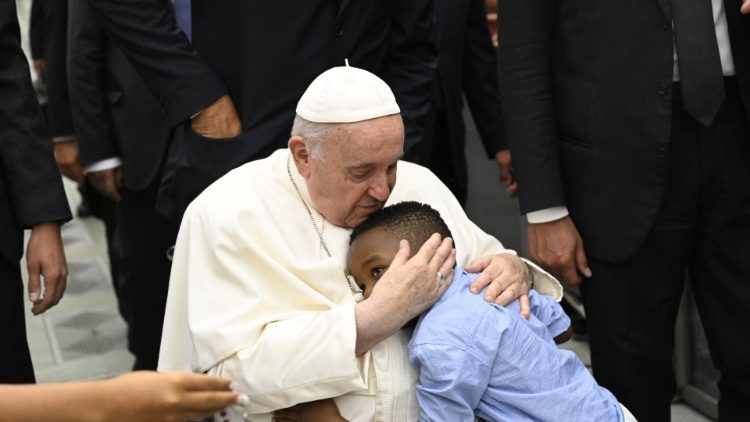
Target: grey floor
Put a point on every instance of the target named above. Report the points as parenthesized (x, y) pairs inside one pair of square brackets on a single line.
[(84, 337)]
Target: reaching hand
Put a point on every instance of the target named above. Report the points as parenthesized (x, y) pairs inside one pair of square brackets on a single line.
[(219, 120), (146, 396), (66, 155), (558, 247), (745, 8), (45, 257), (507, 277), (505, 163), (107, 182)]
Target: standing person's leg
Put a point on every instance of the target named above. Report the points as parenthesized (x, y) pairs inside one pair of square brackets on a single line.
[(442, 159), (15, 359), (143, 238), (720, 263), (631, 310), (631, 307)]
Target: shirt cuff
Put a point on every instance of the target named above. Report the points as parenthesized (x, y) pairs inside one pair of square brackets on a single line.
[(107, 164), (64, 138), (546, 215)]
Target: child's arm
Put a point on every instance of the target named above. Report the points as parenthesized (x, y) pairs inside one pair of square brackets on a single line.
[(314, 411), (451, 382), (562, 338), (551, 314)]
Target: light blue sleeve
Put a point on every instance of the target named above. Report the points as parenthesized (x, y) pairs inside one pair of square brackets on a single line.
[(451, 382), (550, 313)]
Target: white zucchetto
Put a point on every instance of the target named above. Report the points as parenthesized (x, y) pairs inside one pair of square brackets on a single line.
[(344, 95)]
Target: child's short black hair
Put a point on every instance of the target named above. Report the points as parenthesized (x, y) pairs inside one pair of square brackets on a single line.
[(409, 220)]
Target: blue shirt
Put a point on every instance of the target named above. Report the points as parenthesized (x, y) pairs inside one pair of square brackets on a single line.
[(479, 359)]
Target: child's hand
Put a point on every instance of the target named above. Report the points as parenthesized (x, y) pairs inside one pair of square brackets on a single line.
[(314, 411)]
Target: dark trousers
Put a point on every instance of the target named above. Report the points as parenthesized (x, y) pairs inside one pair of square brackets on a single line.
[(703, 225), (141, 241), (15, 359), (439, 156)]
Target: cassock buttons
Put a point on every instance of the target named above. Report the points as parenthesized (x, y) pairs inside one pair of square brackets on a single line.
[(662, 89), (662, 152)]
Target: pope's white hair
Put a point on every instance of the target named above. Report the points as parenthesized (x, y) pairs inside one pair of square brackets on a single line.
[(314, 133)]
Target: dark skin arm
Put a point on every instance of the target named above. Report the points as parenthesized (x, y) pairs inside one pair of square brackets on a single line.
[(562, 338), (315, 411)]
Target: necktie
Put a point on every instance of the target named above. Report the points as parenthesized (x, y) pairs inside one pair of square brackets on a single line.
[(184, 19), (698, 58)]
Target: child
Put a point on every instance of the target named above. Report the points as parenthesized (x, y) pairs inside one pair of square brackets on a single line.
[(478, 359)]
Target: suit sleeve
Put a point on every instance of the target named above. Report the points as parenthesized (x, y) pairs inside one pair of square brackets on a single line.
[(480, 80), (526, 35), (26, 161), (36, 29), (59, 120), (147, 32), (411, 67), (87, 52)]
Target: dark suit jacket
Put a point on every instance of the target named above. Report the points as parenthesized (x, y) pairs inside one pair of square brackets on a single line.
[(467, 66), (30, 185), (49, 23), (586, 89), (114, 113), (265, 54)]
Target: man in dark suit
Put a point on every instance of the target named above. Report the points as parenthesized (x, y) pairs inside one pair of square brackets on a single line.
[(467, 66), (31, 196), (123, 160), (628, 124), (249, 63)]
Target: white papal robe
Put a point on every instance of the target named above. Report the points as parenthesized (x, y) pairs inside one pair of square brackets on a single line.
[(253, 296)]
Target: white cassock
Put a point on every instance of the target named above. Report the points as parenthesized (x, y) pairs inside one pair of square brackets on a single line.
[(254, 297)]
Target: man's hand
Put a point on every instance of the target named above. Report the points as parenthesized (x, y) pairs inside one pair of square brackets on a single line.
[(492, 23), (406, 289), (45, 257), (557, 246), (38, 67), (146, 396), (66, 155), (505, 163), (108, 182), (219, 120), (314, 411), (492, 19), (507, 277), (745, 8)]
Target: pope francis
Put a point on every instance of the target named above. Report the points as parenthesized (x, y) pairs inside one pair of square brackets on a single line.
[(259, 293)]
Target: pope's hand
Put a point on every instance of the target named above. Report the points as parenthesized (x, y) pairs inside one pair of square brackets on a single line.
[(406, 289), (506, 277), (219, 120), (410, 286)]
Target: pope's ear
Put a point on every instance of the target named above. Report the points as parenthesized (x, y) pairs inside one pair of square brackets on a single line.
[(298, 148)]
